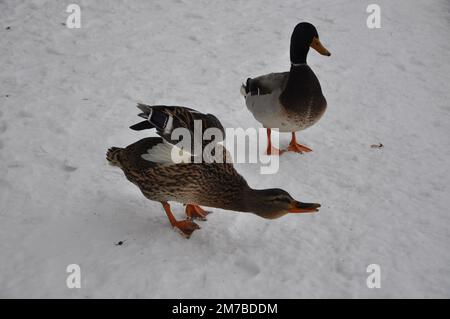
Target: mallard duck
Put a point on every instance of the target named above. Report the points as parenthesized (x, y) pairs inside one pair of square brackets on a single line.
[(165, 119), (290, 101), (148, 164)]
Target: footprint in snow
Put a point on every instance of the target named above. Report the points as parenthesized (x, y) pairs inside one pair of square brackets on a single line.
[(248, 266)]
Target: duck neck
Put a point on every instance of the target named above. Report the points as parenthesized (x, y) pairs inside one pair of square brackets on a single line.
[(253, 199), (242, 199), (296, 71), (299, 57), (290, 93)]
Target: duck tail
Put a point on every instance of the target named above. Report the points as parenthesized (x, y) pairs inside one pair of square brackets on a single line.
[(156, 116), (147, 110), (113, 155), (245, 88)]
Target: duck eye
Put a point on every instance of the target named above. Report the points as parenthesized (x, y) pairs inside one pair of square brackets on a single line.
[(282, 199)]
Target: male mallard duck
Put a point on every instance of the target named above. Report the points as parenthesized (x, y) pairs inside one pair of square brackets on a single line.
[(290, 101), (148, 164)]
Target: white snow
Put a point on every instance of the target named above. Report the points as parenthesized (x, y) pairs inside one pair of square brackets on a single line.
[(72, 94)]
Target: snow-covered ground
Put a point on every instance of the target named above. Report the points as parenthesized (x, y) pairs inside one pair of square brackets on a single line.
[(68, 94)]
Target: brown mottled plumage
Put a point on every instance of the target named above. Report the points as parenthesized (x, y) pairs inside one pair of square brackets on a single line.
[(208, 184)]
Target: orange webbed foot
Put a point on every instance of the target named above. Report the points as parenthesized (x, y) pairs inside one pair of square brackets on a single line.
[(298, 148), (196, 212), (186, 227)]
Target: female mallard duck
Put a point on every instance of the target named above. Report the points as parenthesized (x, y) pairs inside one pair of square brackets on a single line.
[(148, 164), (290, 101)]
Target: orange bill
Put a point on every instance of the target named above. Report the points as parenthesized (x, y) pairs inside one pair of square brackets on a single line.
[(299, 207), (317, 45)]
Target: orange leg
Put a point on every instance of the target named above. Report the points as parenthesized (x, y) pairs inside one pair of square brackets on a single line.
[(187, 227), (270, 149), (195, 211), (295, 147)]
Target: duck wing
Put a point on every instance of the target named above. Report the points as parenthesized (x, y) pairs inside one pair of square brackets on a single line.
[(265, 84), (151, 152)]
